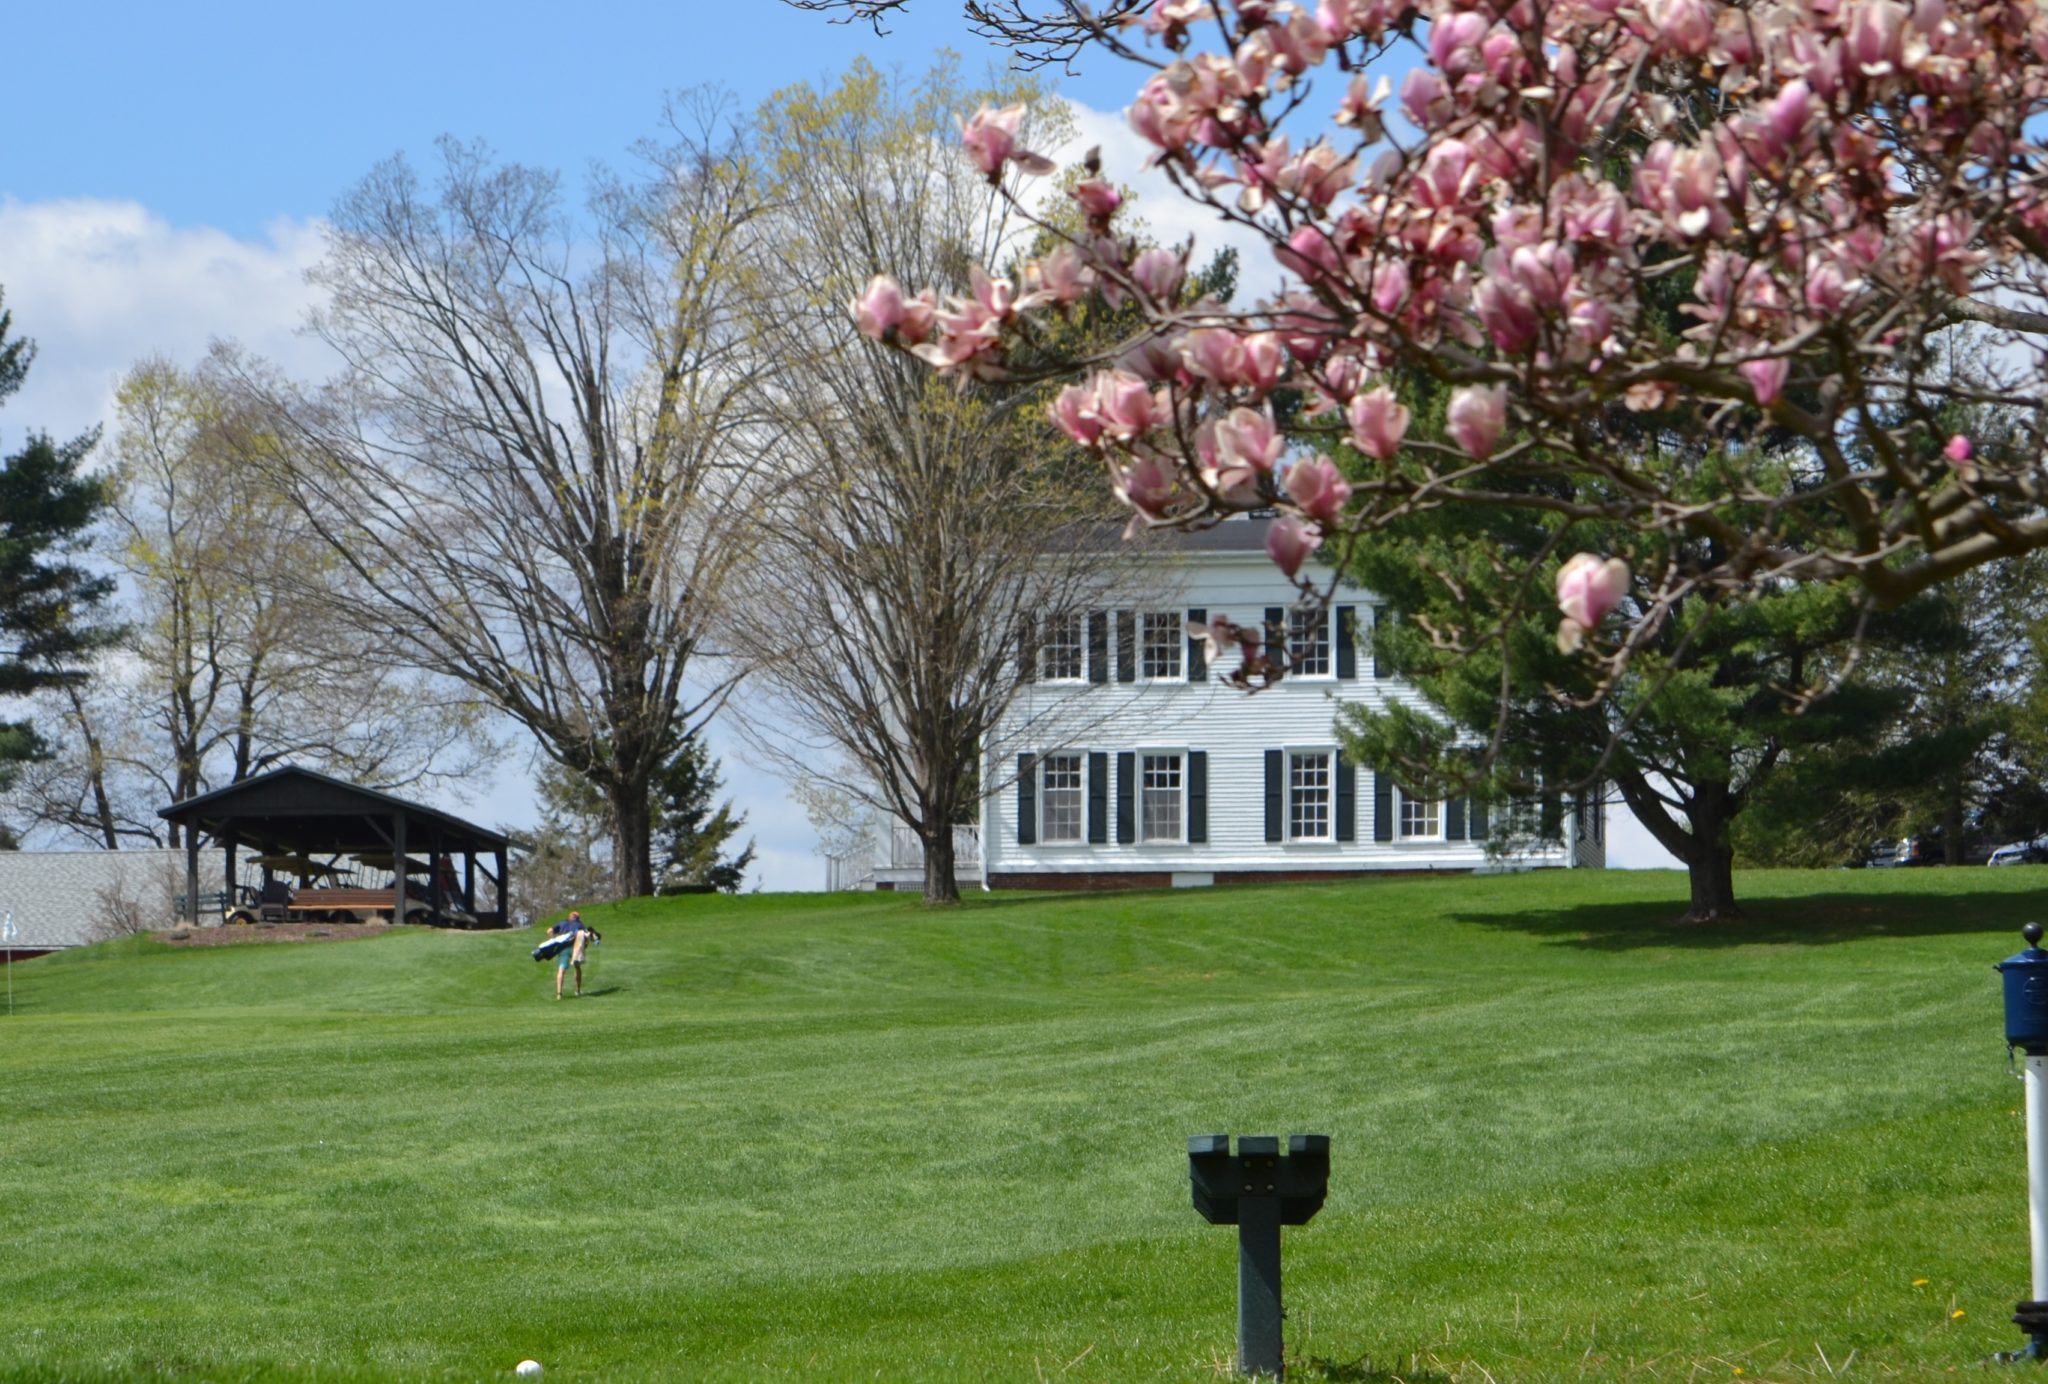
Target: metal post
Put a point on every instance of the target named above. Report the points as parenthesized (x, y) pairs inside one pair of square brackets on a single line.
[(2036, 1078), (1258, 1286)]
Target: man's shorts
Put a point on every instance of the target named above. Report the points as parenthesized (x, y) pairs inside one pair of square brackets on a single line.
[(564, 957)]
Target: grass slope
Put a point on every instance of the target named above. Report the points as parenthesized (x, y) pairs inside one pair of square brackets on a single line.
[(839, 1137)]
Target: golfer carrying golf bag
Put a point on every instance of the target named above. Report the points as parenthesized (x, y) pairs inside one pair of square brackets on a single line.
[(568, 942)]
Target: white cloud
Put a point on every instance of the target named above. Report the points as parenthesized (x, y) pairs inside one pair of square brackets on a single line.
[(97, 285)]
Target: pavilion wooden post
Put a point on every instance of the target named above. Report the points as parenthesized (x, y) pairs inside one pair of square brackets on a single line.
[(469, 882), (192, 872), (504, 890), (228, 879), (398, 867)]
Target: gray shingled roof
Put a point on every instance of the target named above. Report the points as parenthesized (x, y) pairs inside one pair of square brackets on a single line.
[(56, 897)]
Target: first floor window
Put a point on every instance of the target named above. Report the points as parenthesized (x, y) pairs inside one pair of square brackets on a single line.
[(1063, 654), (1161, 797), (1062, 780), (1308, 642), (1421, 819), (1164, 639), (1308, 796)]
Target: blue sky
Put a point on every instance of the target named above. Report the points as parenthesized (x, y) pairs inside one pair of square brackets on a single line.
[(248, 112)]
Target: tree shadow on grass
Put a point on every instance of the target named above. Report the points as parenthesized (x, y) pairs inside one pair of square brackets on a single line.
[(1783, 920)]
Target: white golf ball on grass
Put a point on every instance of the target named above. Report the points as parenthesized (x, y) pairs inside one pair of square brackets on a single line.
[(527, 1369)]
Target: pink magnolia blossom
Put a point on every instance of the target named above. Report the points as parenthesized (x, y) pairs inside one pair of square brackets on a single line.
[(1159, 272), (1766, 377), (1288, 543), (1098, 199), (1378, 423), (1318, 489), (1074, 414), (1589, 586), (1149, 487), (1958, 450), (883, 313), (1124, 404), (990, 138), (1476, 418), (1249, 437)]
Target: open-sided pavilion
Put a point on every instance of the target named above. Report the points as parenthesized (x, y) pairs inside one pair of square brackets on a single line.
[(300, 813)]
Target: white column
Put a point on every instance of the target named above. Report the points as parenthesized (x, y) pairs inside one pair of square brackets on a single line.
[(2037, 1171)]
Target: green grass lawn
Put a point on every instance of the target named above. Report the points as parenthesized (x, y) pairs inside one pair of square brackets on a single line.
[(844, 1137)]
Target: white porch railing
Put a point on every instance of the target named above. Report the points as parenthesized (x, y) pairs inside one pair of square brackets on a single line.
[(905, 854), (906, 851)]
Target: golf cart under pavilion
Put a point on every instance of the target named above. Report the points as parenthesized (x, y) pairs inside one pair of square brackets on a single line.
[(324, 848)]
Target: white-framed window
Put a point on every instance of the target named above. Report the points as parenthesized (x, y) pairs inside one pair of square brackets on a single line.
[(1310, 775), (1419, 819), (1064, 656), (1062, 798), (1163, 637), (1162, 782), (1308, 642)]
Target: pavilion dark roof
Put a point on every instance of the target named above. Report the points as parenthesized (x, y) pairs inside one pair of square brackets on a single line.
[(301, 809)]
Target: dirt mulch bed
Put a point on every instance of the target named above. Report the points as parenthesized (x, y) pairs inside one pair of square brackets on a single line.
[(228, 935)]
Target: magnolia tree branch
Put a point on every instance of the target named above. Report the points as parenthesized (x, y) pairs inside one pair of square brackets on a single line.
[(1677, 273)]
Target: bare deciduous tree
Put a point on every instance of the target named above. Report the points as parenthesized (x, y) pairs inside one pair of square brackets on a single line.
[(529, 462), (915, 536), (228, 668)]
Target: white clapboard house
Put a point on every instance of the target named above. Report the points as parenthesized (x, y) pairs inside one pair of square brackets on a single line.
[(1161, 775)]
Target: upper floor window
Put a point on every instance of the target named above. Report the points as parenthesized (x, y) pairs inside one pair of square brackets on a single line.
[(1064, 655), (1160, 795), (1308, 642), (1164, 640), (1308, 796), (1061, 795)]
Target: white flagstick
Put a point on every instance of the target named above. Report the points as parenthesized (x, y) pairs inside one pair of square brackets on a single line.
[(7, 930)]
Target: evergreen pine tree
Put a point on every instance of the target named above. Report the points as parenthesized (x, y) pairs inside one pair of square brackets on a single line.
[(48, 602), (689, 833)]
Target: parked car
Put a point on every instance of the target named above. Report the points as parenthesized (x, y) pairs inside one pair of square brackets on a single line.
[(2034, 852), (1929, 849)]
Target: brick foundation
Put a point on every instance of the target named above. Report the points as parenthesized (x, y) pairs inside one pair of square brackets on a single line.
[(1099, 880)]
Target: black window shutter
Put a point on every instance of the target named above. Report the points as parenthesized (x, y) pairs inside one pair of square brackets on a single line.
[(1382, 808), (1126, 646), (1198, 796), (1098, 646), (1550, 820), (1098, 798), (1276, 634), (1478, 820), (1198, 652), (1347, 642), (1027, 799), (1347, 798), (1454, 819), (1126, 791), (1379, 660), (1276, 780), (1027, 651)]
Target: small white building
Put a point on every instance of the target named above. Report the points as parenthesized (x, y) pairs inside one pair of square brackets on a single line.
[(1154, 773)]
